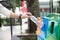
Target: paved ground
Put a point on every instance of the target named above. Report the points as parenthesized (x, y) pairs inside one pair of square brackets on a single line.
[(5, 33)]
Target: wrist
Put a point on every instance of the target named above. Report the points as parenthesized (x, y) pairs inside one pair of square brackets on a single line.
[(20, 16)]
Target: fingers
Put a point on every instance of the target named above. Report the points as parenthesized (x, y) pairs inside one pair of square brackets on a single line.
[(25, 16), (28, 13)]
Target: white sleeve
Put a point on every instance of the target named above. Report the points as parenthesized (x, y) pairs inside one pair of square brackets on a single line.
[(4, 11)]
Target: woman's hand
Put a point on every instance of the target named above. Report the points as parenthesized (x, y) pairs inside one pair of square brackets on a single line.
[(28, 13), (26, 16)]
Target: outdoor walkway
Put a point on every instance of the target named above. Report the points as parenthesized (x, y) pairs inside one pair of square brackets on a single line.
[(5, 33)]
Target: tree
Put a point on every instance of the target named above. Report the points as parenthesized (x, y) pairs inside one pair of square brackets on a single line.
[(33, 7)]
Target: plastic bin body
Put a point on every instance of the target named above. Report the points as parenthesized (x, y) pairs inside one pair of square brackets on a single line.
[(56, 28), (44, 28)]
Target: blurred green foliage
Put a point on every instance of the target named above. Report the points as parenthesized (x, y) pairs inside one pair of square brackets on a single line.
[(6, 22), (16, 4)]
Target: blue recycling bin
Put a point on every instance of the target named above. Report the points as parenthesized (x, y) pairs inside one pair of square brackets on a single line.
[(45, 26), (44, 29)]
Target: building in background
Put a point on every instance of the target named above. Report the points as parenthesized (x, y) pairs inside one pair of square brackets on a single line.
[(48, 6)]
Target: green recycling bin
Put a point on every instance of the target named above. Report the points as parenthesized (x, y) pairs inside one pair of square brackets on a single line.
[(54, 28)]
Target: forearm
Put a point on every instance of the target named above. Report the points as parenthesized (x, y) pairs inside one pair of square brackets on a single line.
[(14, 15)]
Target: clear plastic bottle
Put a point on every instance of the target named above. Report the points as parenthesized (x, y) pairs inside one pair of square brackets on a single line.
[(34, 19)]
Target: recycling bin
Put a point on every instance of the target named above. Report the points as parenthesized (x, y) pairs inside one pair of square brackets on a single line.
[(54, 27), (44, 28)]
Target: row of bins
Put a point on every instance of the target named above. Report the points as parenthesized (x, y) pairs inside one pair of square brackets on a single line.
[(51, 28)]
